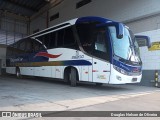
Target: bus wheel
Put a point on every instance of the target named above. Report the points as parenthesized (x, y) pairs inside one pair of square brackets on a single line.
[(99, 84), (73, 77), (18, 73), (66, 75)]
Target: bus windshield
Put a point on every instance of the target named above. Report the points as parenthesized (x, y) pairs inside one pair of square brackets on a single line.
[(126, 47)]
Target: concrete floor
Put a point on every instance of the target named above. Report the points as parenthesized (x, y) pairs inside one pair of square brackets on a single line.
[(30, 94)]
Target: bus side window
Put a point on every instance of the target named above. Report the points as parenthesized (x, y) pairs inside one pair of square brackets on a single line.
[(86, 37), (22, 45), (37, 46), (52, 40), (60, 38), (100, 42), (29, 46), (44, 39), (68, 37)]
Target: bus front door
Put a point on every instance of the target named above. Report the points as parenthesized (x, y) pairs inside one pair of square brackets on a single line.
[(101, 71)]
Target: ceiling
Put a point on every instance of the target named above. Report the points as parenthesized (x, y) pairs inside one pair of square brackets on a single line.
[(22, 7)]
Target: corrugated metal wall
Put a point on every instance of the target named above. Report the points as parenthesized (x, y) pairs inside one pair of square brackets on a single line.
[(11, 30)]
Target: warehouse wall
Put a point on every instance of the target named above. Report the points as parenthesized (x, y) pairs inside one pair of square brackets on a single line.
[(120, 10), (38, 23), (150, 59), (145, 24), (149, 26), (11, 30)]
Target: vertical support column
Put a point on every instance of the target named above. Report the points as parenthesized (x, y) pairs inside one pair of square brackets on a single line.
[(156, 78), (0, 20), (0, 66)]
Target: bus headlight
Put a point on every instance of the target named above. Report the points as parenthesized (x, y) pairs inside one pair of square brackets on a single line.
[(120, 70)]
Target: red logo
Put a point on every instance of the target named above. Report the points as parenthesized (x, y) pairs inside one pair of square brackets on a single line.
[(45, 54)]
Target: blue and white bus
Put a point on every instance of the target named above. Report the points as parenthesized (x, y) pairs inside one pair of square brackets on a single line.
[(91, 49)]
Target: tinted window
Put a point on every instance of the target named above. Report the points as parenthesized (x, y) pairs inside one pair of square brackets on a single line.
[(33, 45), (37, 46), (48, 40), (52, 43), (29, 46), (93, 39), (69, 38), (86, 32), (44, 39), (60, 38), (22, 45), (100, 41)]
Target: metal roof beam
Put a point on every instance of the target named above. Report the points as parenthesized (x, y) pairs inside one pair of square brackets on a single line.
[(22, 6)]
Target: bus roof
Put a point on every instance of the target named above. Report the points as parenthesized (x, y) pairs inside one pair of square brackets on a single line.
[(71, 22), (93, 18)]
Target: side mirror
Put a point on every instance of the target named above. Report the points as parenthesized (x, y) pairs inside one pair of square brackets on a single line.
[(143, 41), (119, 29)]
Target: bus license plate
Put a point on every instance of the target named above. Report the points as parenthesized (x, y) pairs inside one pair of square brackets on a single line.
[(134, 79)]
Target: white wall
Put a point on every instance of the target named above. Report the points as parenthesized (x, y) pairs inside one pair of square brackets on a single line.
[(151, 59), (119, 10), (145, 24)]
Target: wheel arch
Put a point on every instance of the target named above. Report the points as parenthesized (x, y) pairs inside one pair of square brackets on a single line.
[(67, 69)]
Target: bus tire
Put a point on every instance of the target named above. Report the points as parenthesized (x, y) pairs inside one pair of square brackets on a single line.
[(66, 75), (73, 77), (18, 73)]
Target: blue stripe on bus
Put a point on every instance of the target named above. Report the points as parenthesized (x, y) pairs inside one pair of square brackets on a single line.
[(128, 68), (55, 63)]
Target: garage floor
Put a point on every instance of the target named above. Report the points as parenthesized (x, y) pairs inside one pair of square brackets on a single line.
[(43, 94), (33, 94)]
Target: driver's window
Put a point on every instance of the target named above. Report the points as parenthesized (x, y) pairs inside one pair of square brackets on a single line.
[(100, 41)]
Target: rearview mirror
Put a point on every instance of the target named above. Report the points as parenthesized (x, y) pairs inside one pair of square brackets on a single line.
[(119, 29), (143, 41)]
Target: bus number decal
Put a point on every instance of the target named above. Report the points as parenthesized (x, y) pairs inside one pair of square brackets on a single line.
[(101, 77)]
